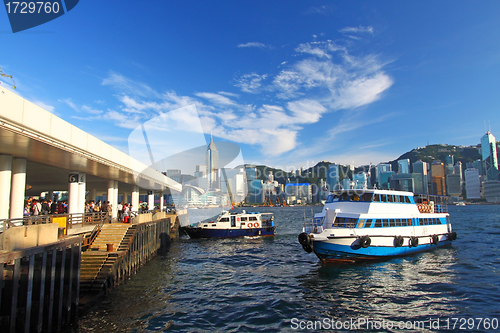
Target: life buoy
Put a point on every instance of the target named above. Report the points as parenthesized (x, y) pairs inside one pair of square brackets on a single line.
[(420, 207), (435, 239), (304, 239), (256, 225), (250, 225), (365, 242), (307, 248), (398, 241)]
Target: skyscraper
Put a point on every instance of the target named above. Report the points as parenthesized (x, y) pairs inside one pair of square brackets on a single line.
[(403, 166), (489, 156), (212, 164), (420, 167), (333, 177)]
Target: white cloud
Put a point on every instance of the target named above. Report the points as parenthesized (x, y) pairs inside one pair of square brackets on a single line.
[(70, 103), (361, 91), (88, 109), (328, 78), (359, 29), (128, 86), (44, 106), (252, 44), (225, 93), (250, 83), (216, 98)]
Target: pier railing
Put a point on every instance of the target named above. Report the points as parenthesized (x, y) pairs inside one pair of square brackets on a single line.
[(66, 220)]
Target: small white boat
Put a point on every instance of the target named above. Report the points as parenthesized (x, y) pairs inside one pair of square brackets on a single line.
[(461, 203), (233, 225), (373, 224)]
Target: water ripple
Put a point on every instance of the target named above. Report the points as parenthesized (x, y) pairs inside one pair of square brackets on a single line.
[(261, 284)]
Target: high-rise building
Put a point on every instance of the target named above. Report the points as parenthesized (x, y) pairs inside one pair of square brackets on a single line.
[(212, 157), (383, 168), (420, 167), (411, 182), (453, 185), (472, 184), (174, 174), (492, 191), (360, 180), (438, 180), (403, 166), (233, 182), (458, 169), (478, 164), (489, 156), (333, 177)]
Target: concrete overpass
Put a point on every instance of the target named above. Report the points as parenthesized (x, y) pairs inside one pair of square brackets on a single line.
[(41, 152)]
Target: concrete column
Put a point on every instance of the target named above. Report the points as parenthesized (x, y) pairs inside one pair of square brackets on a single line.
[(73, 193), (125, 197), (115, 200), (5, 181), (134, 198), (18, 188), (82, 188), (151, 200), (162, 194), (111, 191)]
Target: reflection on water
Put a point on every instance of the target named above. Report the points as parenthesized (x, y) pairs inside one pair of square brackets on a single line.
[(261, 284)]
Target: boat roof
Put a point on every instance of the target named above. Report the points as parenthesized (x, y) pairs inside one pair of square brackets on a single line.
[(372, 190)]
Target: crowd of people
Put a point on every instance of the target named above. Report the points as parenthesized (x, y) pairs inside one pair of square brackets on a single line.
[(36, 207)]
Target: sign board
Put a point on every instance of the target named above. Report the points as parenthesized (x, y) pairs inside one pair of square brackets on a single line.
[(62, 221)]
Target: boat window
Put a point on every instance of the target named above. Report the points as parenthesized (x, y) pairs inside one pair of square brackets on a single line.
[(252, 218), (385, 223), (329, 199), (407, 200), (224, 219), (244, 218), (410, 222), (366, 197), (383, 198), (354, 197), (350, 223), (396, 198), (344, 197), (393, 223), (376, 197), (339, 222), (391, 198), (378, 223), (361, 222)]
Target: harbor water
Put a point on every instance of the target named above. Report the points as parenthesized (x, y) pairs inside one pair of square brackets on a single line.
[(271, 284)]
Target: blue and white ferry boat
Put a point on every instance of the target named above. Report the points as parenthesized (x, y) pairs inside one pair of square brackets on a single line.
[(234, 225), (357, 225)]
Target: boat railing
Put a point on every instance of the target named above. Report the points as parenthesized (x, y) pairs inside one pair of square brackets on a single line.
[(427, 203), (313, 225)]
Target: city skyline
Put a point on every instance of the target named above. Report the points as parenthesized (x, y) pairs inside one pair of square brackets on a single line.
[(288, 82)]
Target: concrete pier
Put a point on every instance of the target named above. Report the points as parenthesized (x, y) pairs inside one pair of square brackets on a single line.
[(42, 288)]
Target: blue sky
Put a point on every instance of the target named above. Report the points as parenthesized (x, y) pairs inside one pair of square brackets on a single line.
[(291, 82)]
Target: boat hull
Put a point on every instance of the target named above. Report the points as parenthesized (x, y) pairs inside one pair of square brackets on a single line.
[(332, 252), (195, 232)]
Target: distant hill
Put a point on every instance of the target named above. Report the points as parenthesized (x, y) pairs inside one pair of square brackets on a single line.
[(427, 154), (439, 152)]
